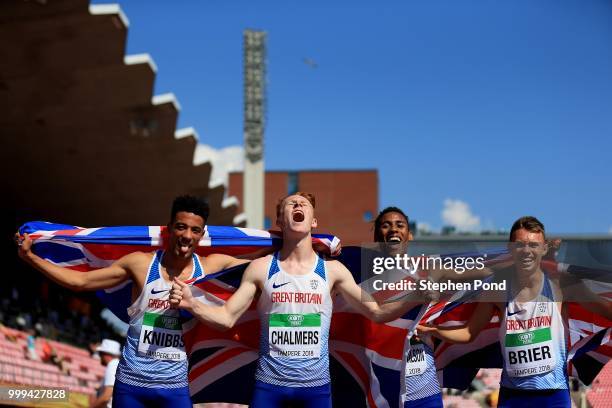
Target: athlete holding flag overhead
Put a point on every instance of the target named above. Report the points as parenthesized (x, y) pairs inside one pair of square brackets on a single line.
[(152, 370)]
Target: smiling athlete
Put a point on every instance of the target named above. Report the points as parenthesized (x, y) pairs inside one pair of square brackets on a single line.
[(295, 309), (422, 390), (532, 333), (152, 370)]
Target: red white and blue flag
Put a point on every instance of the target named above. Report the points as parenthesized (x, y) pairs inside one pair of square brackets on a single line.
[(589, 337), (85, 249), (368, 358)]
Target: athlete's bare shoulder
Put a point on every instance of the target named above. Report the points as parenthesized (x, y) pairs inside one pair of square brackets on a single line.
[(138, 257), (137, 262), (257, 271), (261, 264), (556, 284), (336, 271), (333, 265)]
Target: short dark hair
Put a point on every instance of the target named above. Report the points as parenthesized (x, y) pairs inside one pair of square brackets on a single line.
[(377, 221), (191, 204), (529, 223)]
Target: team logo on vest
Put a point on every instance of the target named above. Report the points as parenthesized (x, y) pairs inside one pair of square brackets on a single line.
[(314, 284), (161, 337), (526, 338), (542, 307), (295, 320)]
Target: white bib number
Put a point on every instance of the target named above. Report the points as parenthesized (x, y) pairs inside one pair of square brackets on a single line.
[(295, 335), (416, 363), (161, 337), (529, 353)]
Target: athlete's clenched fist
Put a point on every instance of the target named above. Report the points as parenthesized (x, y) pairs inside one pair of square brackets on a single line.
[(180, 295)]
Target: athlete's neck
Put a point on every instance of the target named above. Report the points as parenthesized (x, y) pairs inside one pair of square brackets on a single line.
[(529, 279), (297, 248), (175, 265)]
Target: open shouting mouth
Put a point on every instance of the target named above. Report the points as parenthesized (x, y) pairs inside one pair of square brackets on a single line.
[(298, 216)]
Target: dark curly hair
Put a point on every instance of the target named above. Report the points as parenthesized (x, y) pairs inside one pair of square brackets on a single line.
[(377, 221), (192, 204)]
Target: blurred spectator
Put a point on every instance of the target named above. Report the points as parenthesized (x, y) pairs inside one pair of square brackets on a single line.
[(46, 351), (31, 353), (21, 322), (59, 362), (93, 349), (109, 351), (49, 355), (491, 399)]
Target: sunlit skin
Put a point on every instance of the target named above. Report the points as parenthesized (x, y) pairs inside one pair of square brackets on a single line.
[(296, 221), (296, 215), (395, 232), (297, 257), (185, 232), (527, 249)]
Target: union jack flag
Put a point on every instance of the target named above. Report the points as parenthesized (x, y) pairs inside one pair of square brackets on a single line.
[(368, 358), (85, 249), (588, 338)]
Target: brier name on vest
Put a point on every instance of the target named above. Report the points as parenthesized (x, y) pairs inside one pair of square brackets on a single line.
[(529, 355)]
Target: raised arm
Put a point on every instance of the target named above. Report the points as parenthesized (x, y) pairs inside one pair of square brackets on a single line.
[(220, 317), (363, 302), (75, 280), (463, 334), (218, 262)]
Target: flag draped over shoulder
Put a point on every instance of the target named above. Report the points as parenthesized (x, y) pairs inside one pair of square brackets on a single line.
[(85, 249), (368, 359), (588, 340)]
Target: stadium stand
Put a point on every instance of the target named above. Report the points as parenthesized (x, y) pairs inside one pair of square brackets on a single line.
[(600, 394), (70, 94), (74, 93), (83, 376)]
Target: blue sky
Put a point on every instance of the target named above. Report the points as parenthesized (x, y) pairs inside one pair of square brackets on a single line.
[(498, 109)]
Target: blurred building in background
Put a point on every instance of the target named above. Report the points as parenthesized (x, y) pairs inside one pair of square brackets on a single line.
[(83, 141), (346, 200)]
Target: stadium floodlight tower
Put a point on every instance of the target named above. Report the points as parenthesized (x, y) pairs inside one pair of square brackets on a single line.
[(254, 44)]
